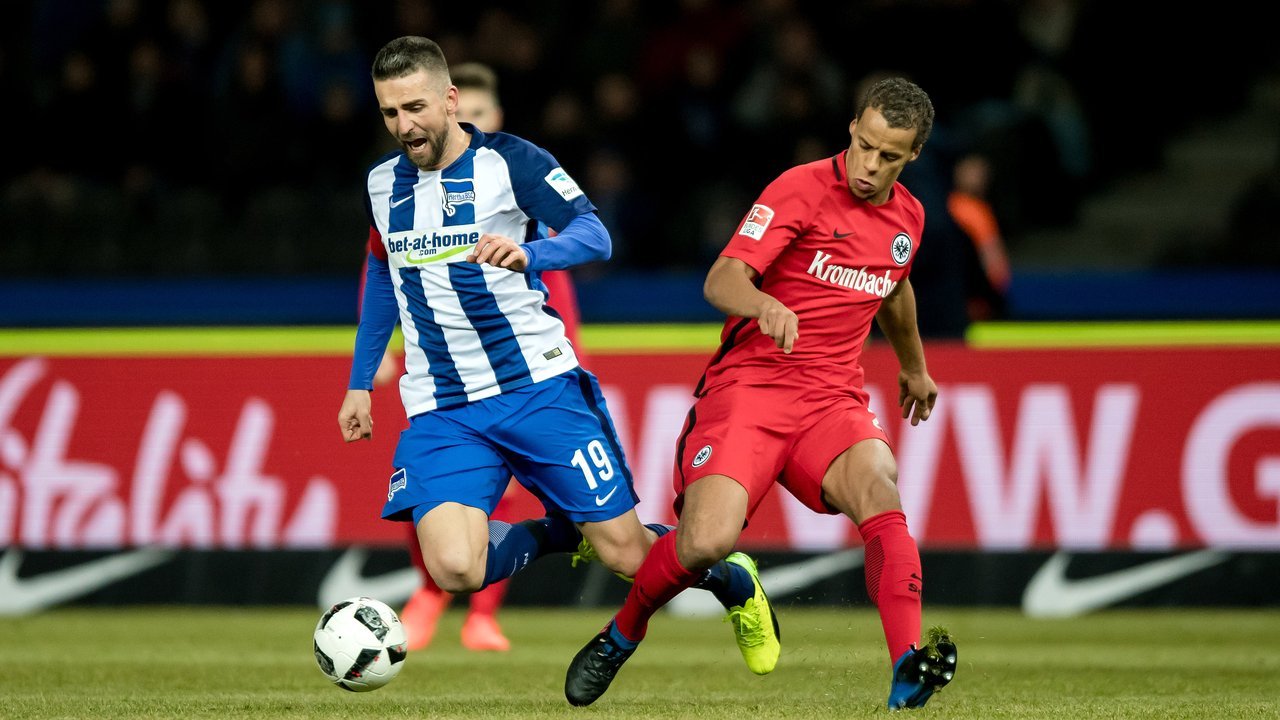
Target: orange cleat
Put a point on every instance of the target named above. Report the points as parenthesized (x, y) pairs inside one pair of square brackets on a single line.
[(421, 614), (481, 632)]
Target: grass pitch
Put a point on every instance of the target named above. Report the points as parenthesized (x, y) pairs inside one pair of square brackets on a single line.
[(256, 663)]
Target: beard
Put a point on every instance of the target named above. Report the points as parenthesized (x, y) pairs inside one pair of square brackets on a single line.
[(435, 147)]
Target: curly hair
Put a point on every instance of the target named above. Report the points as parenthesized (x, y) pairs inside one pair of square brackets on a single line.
[(903, 105)]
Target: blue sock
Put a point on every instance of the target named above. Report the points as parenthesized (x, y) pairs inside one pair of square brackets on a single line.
[(513, 547), (619, 639), (731, 584)]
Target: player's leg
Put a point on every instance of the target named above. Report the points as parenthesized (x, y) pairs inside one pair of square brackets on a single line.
[(732, 580), (659, 578), (862, 483), (450, 478), (422, 612), (712, 510), (481, 631)]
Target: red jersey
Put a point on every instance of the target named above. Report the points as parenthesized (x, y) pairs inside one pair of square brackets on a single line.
[(831, 258)]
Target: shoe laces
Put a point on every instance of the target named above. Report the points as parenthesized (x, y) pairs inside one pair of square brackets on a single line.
[(610, 651), (748, 622)]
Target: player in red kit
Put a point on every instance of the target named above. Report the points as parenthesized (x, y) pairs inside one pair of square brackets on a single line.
[(826, 248)]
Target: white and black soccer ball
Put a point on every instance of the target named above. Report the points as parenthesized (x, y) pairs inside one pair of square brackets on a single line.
[(360, 644)]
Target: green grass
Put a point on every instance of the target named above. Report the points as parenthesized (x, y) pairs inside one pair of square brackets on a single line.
[(257, 663)]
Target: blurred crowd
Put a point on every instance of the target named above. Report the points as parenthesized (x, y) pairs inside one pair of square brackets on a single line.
[(215, 137)]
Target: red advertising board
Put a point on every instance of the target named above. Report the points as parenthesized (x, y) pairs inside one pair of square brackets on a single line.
[(1027, 449)]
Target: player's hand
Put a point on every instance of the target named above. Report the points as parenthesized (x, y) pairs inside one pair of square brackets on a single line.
[(499, 251), (355, 419), (778, 322), (916, 394)]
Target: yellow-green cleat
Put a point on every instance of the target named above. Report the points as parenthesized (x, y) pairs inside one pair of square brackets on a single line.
[(754, 623), (586, 553)]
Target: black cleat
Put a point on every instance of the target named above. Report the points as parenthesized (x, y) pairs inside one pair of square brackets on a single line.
[(593, 668)]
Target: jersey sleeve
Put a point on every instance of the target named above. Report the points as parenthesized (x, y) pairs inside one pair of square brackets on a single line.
[(914, 220), (543, 190), (779, 215)]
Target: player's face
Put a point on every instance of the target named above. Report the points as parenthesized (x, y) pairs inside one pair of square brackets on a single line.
[(419, 113), (877, 155), (480, 108)]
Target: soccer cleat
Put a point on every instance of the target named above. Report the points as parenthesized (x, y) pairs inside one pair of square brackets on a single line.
[(754, 624), (920, 673), (593, 668), (421, 614), (481, 632), (586, 553)]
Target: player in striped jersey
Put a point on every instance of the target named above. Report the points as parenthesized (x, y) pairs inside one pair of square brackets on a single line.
[(479, 105), (492, 387)]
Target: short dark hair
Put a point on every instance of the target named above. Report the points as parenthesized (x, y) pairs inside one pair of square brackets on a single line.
[(475, 76), (903, 104), (407, 55)]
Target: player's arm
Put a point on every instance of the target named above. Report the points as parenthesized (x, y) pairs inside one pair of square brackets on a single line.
[(378, 313), (585, 239), (897, 318), (731, 288)]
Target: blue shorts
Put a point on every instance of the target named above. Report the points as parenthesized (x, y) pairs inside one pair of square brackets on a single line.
[(554, 436)]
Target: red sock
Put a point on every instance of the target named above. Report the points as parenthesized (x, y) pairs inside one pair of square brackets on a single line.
[(893, 578), (488, 600), (660, 578)]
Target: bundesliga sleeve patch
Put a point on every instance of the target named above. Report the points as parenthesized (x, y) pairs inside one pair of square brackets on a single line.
[(757, 222), (560, 181)]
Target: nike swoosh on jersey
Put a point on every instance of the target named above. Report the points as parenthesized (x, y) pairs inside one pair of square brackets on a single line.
[(777, 582), (346, 579), (840, 236), (22, 595), (600, 501), (1050, 593), (397, 203)]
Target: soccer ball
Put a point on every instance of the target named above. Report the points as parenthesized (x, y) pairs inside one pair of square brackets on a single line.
[(360, 644)]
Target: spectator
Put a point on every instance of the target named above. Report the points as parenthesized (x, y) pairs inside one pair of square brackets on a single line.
[(969, 208)]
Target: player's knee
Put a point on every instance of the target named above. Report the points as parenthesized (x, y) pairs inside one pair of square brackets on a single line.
[(623, 558), (456, 573), (700, 550), (459, 582)]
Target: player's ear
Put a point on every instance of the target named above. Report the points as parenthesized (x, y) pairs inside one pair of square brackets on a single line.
[(852, 124)]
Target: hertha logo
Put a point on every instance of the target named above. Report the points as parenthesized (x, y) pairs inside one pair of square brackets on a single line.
[(397, 483), (900, 248), (703, 455)]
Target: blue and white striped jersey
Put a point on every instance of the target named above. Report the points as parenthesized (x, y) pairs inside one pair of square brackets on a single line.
[(471, 331)]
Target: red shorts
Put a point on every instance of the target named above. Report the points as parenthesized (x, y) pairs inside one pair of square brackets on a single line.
[(758, 435)]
